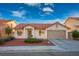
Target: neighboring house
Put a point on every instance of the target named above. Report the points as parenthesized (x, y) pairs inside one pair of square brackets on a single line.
[(44, 31), (4, 24), (73, 23)]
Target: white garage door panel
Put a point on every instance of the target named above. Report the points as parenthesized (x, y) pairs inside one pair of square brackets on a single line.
[(55, 34)]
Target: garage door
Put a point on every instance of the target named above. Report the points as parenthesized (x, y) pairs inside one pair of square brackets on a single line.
[(56, 34)]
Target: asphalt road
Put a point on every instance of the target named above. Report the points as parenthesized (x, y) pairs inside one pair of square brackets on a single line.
[(38, 53), (27, 54)]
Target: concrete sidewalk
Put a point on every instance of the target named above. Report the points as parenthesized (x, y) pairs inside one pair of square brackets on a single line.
[(29, 50), (6, 48)]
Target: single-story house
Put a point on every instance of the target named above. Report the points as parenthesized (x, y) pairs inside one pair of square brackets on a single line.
[(44, 31)]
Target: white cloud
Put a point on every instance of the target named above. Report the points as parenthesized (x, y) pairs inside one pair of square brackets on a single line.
[(32, 4), (47, 10), (37, 4), (19, 14), (49, 4)]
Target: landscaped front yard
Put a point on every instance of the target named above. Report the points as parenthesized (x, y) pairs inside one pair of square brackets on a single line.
[(20, 42)]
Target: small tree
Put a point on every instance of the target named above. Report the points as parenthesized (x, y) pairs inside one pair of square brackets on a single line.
[(8, 30), (75, 34)]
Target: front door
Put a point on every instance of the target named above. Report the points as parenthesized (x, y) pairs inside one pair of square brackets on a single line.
[(29, 33)]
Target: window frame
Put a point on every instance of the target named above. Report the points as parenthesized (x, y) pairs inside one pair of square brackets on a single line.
[(19, 32), (41, 32)]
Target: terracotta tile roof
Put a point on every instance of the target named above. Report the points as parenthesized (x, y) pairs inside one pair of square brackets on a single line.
[(20, 26), (77, 26), (3, 22), (74, 18), (37, 26)]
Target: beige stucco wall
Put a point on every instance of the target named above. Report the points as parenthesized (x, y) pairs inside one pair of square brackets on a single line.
[(38, 36), (13, 23), (59, 27), (71, 23), (17, 36)]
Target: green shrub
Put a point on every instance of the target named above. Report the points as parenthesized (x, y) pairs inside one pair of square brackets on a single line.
[(1, 41), (32, 40), (9, 38), (75, 34)]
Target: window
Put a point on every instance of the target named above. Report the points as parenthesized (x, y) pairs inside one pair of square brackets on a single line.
[(41, 32), (19, 33)]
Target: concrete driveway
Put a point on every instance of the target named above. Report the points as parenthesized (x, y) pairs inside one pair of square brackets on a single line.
[(66, 45)]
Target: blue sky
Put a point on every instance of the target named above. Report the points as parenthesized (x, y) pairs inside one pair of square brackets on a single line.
[(38, 12)]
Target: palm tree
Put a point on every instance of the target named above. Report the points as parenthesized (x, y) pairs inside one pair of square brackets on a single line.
[(8, 30)]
